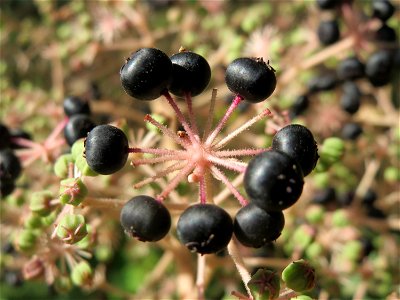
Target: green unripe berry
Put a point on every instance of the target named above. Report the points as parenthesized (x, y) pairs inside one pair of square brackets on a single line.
[(299, 276), (391, 174), (78, 148), (103, 253), (303, 236), (82, 274), (62, 165), (40, 203), (315, 214), (72, 229), (332, 149), (159, 119), (340, 218), (321, 180), (62, 284), (352, 250), (49, 220), (72, 191), (26, 240), (264, 285), (87, 241), (33, 221), (82, 166), (314, 250)]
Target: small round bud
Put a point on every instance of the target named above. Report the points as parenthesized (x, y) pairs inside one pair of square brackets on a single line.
[(340, 218), (264, 284), (49, 220), (62, 284), (82, 274), (103, 253), (299, 276), (40, 203), (72, 191), (33, 221), (72, 229), (332, 149), (83, 166), (26, 240), (62, 165)]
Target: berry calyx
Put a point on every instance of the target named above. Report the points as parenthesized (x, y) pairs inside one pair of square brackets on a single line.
[(205, 228), (106, 149), (145, 218), (191, 74), (146, 74), (273, 180), (251, 78)]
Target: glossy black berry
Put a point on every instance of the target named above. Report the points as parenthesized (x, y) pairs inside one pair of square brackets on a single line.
[(298, 142), (145, 218), (254, 227), (350, 68), (75, 105), (386, 34), (5, 136), (328, 32), (273, 180), (6, 187), (350, 100), (299, 106), (382, 9), (251, 78), (323, 82), (378, 68), (77, 127), (191, 74), (324, 196), (351, 131), (146, 74), (369, 198), (327, 4), (106, 149), (10, 166), (205, 228)]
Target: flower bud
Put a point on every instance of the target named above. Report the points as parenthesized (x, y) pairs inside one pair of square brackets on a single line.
[(72, 191), (299, 276), (72, 229), (40, 203), (62, 165), (26, 240), (62, 284), (33, 221), (82, 274), (264, 284)]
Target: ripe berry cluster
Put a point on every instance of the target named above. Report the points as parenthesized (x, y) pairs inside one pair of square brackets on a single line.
[(378, 69), (273, 179)]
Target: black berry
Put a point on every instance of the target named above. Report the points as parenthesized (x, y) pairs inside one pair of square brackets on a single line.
[(6, 187), (299, 106), (205, 228), (77, 127), (351, 98), (146, 74), (298, 142), (327, 4), (324, 196), (378, 68), (254, 227), (350, 68), (323, 82), (19, 133), (10, 166), (386, 34), (191, 74), (328, 32), (351, 131), (106, 149), (251, 78), (145, 218), (5, 137), (273, 180), (75, 105), (382, 9)]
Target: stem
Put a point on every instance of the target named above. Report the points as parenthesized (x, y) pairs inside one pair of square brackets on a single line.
[(229, 164), (238, 261), (210, 114), (165, 130), (241, 152), (188, 99), (245, 126), (225, 118), (217, 173), (155, 151), (180, 116), (201, 264), (202, 191)]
